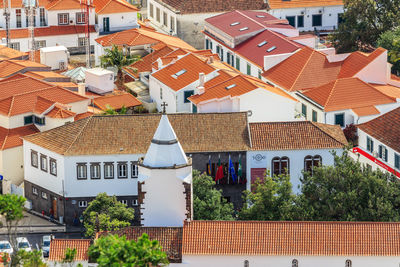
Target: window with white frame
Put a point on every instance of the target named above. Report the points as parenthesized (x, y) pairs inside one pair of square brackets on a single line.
[(134, 171), (310, 162), (34, 159), (82, 204), (43, 163), (397, 161), (42, 17), (34, 190), (124, 201), (109, 170), (63, 19), (370, 144), (134, 202), (81, 41), (53, 166), (383, 153), (40, 44), (80, 18), (44, 195), (151, 11), (95, 170), (122, 169), (18, 16), (15, 46), (81, 171), (280, 165)]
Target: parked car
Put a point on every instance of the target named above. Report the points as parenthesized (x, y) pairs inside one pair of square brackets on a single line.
[(46, 239), (5, 246), (23, 244)]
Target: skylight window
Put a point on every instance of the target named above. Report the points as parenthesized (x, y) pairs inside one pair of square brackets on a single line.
[(262, 43), (271, 49), (235, 23), (243, 29), (179, 73), (260, 16), (230, 86)]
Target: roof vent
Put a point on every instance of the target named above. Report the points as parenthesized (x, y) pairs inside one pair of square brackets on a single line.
[(271, 49), (243, 29), (230, 86), (260, 16), (262, 43), (179, 73), (235, 23)]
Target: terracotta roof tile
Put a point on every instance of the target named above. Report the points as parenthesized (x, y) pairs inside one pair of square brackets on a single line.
[(389, 90), (44, 74), (135, 37), (42, 104), (291, 238), (347, 93), (170, 238), (63, 5), (357, 61), (10, 138), (10, 67), (116, 101), (385, 128), (278, 4), (113, 6), (47, 31), (59, 112), (83, 115), (190, 65), (202, 132), (58, 247), (9, 53), (295, 135), (212, 6), (366, 111)]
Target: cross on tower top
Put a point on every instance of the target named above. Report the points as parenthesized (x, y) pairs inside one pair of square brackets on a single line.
[(164, 106)]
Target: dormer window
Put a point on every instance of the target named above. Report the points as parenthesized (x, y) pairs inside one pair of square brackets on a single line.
[(243, 29), (179, 73), (262, 43), (235, 23), (271, 49), (230, 86)]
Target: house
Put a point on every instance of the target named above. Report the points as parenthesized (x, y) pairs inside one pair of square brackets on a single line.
[(136, 39), (379, 144), (337, 89), (88, 157), (59, 246), (320, 15), (29, 106), (291, 147), (236, 92), (185, 19)]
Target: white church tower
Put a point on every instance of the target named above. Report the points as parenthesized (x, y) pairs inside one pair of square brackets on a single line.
[(165, 180)]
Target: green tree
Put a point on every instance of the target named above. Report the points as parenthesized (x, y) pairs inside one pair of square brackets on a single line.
[(364, 21), (208, 203), (348, 191), (28, 259), (111, 250), (69, 256), (117, 58), (390, 40), (106, 213), (272, 199), (11, 208), (111, 111)]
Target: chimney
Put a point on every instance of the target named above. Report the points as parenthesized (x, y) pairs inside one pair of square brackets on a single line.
[(81, 89), (210, 59), (159, 63), (202, 78)]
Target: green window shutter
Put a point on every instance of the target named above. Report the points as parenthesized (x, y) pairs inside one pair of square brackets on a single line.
[(238, 63), (386, 154), (380, 151), (304, 110), (369, 144), (248, 69), (314, 116), (397, 161)]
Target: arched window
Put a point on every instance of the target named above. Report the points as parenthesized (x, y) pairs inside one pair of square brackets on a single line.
[(310, 162), (280, 165), (295, 263), (246, 263), (348, 263)]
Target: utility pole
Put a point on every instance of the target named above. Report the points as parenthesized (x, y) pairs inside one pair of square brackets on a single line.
[(6, 7), (30, 9), (85, 6)]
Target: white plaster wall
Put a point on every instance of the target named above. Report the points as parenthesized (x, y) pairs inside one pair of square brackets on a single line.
[(296, 162), (271, 61), (376, 71), (54, 58), (119, 21), (13, 19), (285, 261), (329, 16), (53, 123), (53, 16), (80, 106), (285, 31), (12, 167), (267, 106), (349, 117), (91, 187), (310, 42), (168, 95), (164, 202), (160, 25), (103, 82)]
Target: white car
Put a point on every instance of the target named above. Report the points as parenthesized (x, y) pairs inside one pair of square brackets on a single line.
[(23, 244), (5, 246), (46, 239)]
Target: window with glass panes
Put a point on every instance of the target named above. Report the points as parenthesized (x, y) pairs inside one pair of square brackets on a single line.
[(397, 161), (81, 171), (42, 17), (18, 17), (370, 144), (122, 170), (80, 18), (95, 171), (383, 153), (63, 19), (280, 165), (134, 170), (53, 166), (300, 21), (314, 116), (108, 170), (312, 161)]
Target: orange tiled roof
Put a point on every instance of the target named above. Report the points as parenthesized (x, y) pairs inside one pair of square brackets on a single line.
[(278, 4), (192, 66), (389, 90), (113, 6), (42, 104), (47, 31), (44, 74), (9, 67), (291, 238), (145, 25), (83, 115), (306, 68), (9, 53), (116, 101), (135, 37), (366, 111), (58, 247), (10, 138), (356, 61), (63, 5), (59, 112), (295, 135), (385, 128), (347, 93)]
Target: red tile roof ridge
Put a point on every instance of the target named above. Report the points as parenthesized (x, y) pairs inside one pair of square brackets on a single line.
[(255, 21)]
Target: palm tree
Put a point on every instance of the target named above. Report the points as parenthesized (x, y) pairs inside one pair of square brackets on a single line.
[(118, 59)]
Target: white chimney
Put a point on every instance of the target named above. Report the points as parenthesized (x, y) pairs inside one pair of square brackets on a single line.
[(200, 90), (202, 78), (159, 63), (81, 89)]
